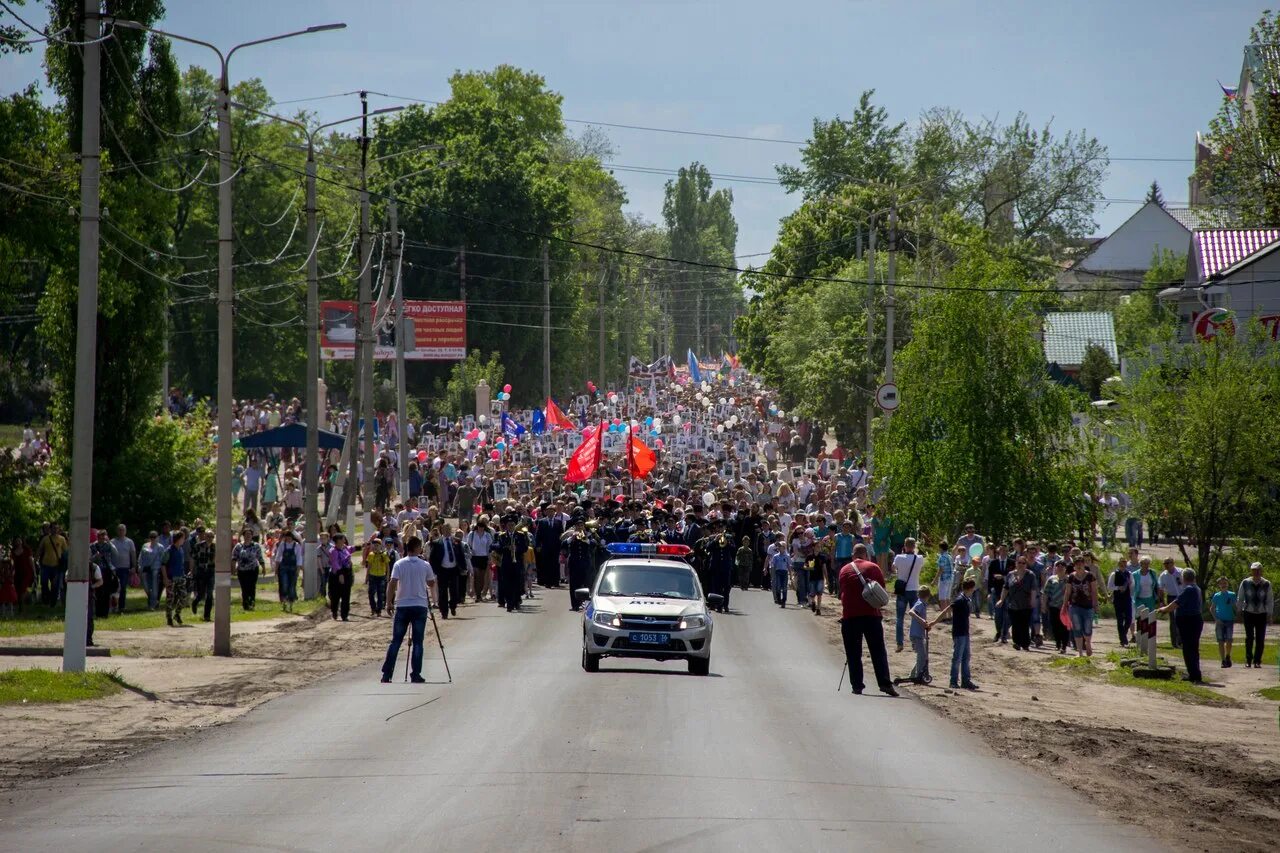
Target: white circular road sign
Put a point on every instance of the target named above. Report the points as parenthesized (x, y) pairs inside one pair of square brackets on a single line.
[(887, 397)]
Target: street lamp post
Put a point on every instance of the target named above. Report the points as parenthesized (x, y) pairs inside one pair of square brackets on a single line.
[(226, 317), (311, 467)]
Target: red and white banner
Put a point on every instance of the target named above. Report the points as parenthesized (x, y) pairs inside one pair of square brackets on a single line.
[(440, 331)]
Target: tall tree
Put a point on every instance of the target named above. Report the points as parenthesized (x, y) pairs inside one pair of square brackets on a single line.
[(1095, 369), (1200, 432), (865, 148), (1154, 194), (981, 429), (700, 229)]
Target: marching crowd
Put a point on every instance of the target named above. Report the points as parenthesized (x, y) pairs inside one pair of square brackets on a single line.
[(499, 504)]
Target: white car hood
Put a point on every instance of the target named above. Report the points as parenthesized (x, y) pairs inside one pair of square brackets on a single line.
[(641, 606)]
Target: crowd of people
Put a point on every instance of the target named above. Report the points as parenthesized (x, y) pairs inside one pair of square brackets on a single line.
[(760, 497)]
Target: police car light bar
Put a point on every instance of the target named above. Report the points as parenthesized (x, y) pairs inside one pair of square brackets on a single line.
[(648, 548)]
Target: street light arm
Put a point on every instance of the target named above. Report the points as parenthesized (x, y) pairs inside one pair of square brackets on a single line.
[(135, 25), (264, 114), (319, 28)]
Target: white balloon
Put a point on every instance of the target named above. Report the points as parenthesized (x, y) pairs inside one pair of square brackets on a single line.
[(733, 401), (719, 427), (795, 419), (677, 420), (464, 444), (708, 498), (481, 436), (657, 423), (483, 419), (781, 413), (724, 401)]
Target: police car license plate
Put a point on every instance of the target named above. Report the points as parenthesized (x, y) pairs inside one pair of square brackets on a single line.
[(653, 639)]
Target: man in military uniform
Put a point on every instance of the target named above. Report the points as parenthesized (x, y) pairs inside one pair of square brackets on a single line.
[(720, 557), (581, 545), (701, 557), (511, 547)]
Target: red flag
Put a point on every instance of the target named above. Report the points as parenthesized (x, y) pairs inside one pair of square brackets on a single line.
[(640, 458), (585, 460), (555, 417)]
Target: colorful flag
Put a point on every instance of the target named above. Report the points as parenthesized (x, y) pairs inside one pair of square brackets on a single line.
[(1228, 91), (694, 373), (640, 459), (555, 417), (511, 428), (586, 459), (539, 422)]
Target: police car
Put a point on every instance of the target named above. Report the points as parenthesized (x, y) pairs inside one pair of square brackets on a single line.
[(647, 603)]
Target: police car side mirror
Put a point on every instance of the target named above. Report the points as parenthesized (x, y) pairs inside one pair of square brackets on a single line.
[(715, 599), (584, 592)]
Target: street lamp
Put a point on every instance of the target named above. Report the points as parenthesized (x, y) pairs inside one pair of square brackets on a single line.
[(226, 298), (310, 471)]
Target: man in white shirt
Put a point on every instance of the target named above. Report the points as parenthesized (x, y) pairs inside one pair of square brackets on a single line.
[(409, 600), (906, 568), (1170, 585)]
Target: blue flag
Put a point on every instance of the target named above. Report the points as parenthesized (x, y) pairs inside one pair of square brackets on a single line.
[(539, 422), (510, 427), (694, 373)]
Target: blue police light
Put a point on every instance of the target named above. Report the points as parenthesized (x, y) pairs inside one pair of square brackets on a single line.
[(662, 549)]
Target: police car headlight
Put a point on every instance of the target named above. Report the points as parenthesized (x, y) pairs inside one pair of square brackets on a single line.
[(692, 622), (609, 620)]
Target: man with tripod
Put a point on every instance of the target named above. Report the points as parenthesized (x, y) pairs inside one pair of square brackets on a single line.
[(409, 593)]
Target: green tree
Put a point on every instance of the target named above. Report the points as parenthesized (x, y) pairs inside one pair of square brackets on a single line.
[(1095, 369), (136, 71), (1142, 320), (982, 434), (701, 229), (864, 148), (1154, 194), (1200, 433), (1241, 176), (459, 392)]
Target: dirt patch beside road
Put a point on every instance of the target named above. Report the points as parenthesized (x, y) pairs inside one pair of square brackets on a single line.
[(1204, 776), (177, 687)]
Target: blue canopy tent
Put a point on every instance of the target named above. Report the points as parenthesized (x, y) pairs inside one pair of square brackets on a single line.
[(291, 435)]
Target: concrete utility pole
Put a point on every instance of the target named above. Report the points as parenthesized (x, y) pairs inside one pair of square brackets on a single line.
[(871, 329), (403, 329), (888, 294), (546, 318), (79, 572), (226, 317), (604, 380), (366, 322)]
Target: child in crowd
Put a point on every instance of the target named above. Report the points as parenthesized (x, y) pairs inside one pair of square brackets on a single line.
[(1224, 620), (779, 564), (960, 607), (946, 571), (919, 636)]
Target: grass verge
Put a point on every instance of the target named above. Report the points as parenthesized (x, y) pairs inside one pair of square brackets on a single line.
[(48, 620), (1176, 687), (33, 686), (1272, 693)]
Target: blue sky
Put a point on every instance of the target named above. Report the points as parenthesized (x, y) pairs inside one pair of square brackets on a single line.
[(1139, 74)]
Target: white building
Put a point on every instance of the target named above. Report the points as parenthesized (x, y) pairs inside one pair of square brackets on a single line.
[(1124, 257)]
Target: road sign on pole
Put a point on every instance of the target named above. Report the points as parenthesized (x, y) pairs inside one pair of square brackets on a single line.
[(887, 397)]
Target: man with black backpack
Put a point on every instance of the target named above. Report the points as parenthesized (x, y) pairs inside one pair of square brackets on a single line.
[(862, 596)]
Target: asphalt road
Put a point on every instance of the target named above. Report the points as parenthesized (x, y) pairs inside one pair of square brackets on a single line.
[(525, 752)]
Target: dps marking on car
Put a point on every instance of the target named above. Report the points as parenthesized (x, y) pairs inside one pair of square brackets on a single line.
[(647, 603)]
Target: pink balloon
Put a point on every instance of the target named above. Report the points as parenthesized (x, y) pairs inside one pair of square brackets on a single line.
[(495, 455), (659, 443), (506, 389), (422, 456), (473, 434)]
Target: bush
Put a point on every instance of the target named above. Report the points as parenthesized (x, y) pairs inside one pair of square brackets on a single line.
[(164, 475)]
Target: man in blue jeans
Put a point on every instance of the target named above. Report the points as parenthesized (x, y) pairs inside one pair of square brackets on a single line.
[(906, 584), (409, 601)]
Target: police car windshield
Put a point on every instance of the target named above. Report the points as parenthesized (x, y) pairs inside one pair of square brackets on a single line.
[(655, 581)]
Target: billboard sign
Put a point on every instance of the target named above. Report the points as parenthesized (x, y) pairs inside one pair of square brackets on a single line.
[(440, 331)]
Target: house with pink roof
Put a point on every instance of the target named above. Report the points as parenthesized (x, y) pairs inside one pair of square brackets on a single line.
[(1233, 276)]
